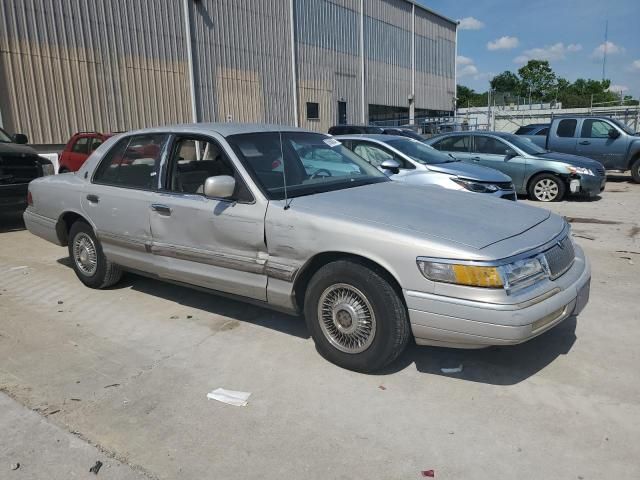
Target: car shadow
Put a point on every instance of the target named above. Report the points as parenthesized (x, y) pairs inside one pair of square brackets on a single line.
[(11, 222), (503, 365), (500, 365), (211, 302)]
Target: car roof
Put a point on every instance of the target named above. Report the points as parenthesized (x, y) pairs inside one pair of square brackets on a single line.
[(223, 129)]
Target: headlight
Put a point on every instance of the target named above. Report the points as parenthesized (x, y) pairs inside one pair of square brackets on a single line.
[(580, 170), (47, 169), (510, 276), (476, 187)]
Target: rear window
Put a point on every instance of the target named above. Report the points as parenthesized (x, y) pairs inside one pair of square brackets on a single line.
[(458, 143), (524, 131), (567, 127), (133, 162)]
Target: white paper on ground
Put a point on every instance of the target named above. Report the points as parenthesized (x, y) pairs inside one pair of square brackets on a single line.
[(239, 399), (457, 369)]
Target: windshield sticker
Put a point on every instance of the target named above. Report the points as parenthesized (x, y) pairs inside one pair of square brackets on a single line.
[(332, 142)]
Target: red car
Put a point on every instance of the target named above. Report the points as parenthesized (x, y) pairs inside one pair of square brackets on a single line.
[(78, 149)]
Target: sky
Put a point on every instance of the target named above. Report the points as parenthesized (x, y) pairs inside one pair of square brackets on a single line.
[(499, 35)]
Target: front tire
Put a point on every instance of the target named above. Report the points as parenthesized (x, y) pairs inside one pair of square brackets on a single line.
[(355, 316), (635, 170), (546, 188), (91, 266)]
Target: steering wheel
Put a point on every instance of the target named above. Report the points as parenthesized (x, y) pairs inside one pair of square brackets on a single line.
[(324, 171)]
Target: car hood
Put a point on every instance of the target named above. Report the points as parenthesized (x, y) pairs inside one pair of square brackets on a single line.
[(574, 160), (15, 149), (475, 221), (469, 171)]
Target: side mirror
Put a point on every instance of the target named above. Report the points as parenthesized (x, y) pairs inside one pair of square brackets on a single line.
[(509, 153), (221, 186), (613, 133), (20, 138), (391, 165)]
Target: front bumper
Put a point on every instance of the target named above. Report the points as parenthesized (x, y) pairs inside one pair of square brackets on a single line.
[(460, 323), (589, 185)]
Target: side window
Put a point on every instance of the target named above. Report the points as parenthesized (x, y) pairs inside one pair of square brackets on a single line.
[(595, 129), (567, 127), (490, 145), (543, 131), (194, 160), (81, 145), (458, 143), (133, 162), (95, 143)]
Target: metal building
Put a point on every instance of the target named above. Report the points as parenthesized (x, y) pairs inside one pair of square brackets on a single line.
[(113, 65)]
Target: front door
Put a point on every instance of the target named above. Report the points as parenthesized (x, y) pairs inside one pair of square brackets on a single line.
[(211, 242), (119, 199), (342, 113), (594, 142), (492, 152)]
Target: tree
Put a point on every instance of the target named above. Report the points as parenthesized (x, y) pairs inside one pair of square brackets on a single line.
[(538, 80), (507, 82), (468, 97)]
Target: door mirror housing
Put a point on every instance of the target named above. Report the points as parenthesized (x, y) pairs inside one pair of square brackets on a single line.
[(613, 133), (20, 138), (392, 165), (221, 186), (509, 153)]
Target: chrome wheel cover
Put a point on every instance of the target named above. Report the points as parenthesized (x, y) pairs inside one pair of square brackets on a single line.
[(346, 318), (546, 190), (84, 254)]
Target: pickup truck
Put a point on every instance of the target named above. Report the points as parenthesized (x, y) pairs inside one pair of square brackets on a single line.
[(604, 139)]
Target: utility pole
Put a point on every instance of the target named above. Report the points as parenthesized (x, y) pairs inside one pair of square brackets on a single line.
[(604, 56)]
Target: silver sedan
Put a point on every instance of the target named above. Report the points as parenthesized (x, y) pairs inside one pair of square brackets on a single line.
[(293, 220)]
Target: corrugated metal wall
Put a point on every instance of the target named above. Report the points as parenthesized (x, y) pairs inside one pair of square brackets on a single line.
[(328, 60), (107, 65), (435, 61), (243, 60), (387, 39)]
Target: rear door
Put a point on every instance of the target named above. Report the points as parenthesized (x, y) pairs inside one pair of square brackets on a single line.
[(119, 198), (211, 242), (595, 143), (492, 152)]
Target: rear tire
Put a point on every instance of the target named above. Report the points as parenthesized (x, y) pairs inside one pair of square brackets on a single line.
[(91, 266), (546, 187), (356, 317), (635, 170)]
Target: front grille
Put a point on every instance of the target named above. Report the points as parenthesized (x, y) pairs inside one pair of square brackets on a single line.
[(18, 169), (560, 257)]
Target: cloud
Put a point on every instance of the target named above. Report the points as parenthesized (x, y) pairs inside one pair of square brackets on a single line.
[(617, 88), (610, 47), (635, 66), (503, 43), (557, 51), (462, 60), (467, 71), (469, 23)]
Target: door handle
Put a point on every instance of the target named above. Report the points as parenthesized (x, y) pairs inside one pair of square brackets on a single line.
[(162, 209), (93, 198), (585, 142)]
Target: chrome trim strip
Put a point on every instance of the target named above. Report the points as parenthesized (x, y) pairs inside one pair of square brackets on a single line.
[(485, 305), (245, 264), (503, 261), (280, 271), (122, 241)]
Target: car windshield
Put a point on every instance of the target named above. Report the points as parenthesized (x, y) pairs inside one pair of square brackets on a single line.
[(5, 137), (623, 127), (524, 144), (420, 152), (310, 163)]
